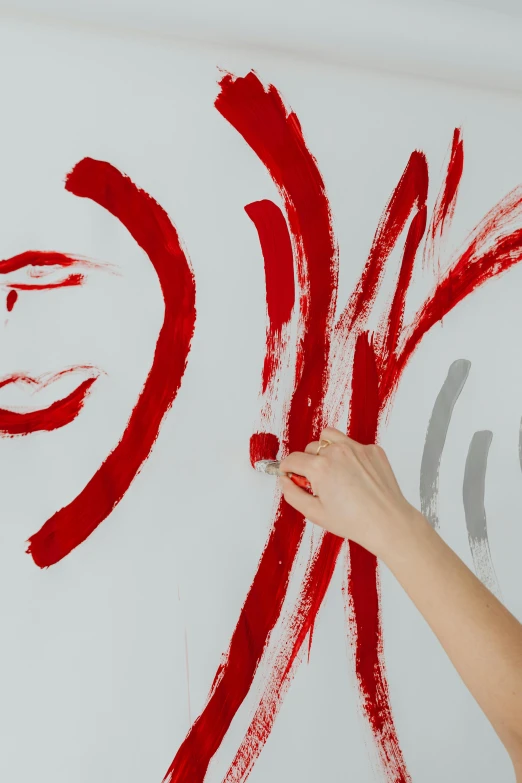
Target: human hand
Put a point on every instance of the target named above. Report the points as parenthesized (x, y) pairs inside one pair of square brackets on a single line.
[(356, 494)]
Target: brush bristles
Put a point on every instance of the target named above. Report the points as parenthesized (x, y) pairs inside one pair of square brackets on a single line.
[(269, 466)]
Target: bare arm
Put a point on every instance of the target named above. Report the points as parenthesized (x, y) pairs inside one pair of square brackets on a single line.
[(357, 497)]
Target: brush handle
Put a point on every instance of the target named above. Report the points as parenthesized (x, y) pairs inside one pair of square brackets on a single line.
[(301, 481)]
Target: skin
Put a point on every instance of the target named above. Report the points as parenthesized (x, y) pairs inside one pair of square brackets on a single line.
[(356, 496)]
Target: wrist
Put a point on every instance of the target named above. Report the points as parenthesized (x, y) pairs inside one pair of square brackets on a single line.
[(408, 527)]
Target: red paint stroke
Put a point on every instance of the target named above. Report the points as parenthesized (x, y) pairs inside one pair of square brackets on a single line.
[(59, 414), (393, 321), (10, 301), (276, 246), (38, 258), (263, 445), (71, 280), (300, 627), (363, 580), (493, 248), (393, 221), (446, 202), (409, 195), (151, 228), (274, 134)]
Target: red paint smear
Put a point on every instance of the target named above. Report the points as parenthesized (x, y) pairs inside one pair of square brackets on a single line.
[(274, 134), (53, 417), (71, 280), (493, 248), (279, 279), (263, 445), (365, 408), (151, 228), (36, 258), (395, 318), (391, 225), (447, 200), (10, 302)]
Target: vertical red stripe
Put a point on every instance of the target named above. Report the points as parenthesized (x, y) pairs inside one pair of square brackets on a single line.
[(278, 257), (363, 582), (493, 248), (150, 226)]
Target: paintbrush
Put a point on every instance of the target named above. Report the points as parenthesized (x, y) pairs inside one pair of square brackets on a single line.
[(272, 468)]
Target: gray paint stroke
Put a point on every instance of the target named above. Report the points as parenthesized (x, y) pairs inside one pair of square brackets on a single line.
[(473, 494), (436, 438)]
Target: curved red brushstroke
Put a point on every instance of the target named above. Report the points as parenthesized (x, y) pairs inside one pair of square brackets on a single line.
[(263, 445), (446, 202), (151, 228), (259, 115), (278, 256), (59, 414)]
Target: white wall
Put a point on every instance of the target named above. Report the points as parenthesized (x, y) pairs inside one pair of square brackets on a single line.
[(94, 675)]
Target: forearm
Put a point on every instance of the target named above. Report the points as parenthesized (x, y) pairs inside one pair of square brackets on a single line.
[(482, 639)]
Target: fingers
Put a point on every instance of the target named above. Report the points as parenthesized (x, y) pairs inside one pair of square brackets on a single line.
[(333, 435), (336, 436), (297, 462), (301, 500)]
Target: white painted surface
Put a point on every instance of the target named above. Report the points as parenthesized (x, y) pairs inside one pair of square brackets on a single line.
[(93, 673), (449, 41)]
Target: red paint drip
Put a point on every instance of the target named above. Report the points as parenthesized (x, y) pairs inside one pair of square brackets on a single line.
[(53, 417), (263, 445), (10, 301), (151, 228), (259, 115), (279, 278)]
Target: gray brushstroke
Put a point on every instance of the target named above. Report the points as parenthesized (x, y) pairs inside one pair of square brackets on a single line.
[(473, 493), (436, 438)]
